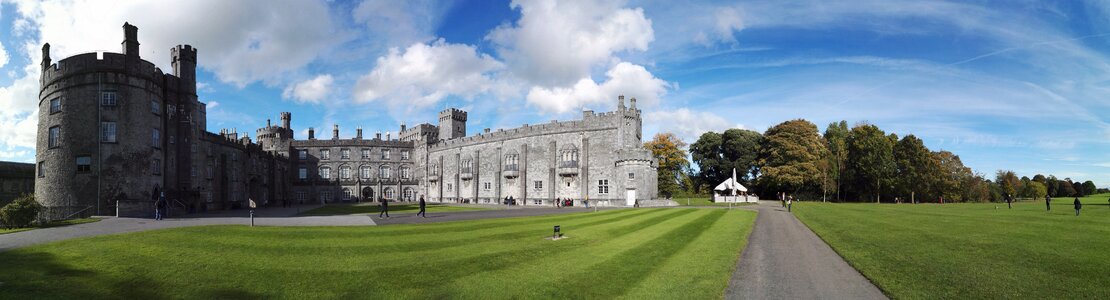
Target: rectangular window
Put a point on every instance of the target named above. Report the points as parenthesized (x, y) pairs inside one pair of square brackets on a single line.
[(603, 186), (364, 172), (345, 153), (42, 169), (631, 176), (108, 98), (325, 154), (156, 138), (194, 148), (325, 173), (155, 107), (302, 154), (193, 171), (84, 163), (383, 172), (365, 153), (156, 167), (53, 141), (55, 105), (449, 187), (108, 132), (538, 185), (385, 154), (302, 173), (405, 173), (208, 171), (345, 173), (486, 186), (404, 155), (171, 139), (301, 197), (325, 196)]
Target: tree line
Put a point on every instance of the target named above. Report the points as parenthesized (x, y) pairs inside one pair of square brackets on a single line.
[(860, 163)]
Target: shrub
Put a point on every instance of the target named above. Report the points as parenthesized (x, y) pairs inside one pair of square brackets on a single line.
[(20, 213)]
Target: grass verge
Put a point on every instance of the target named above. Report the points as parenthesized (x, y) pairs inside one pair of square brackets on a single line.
[(373, 208), (52, 224)]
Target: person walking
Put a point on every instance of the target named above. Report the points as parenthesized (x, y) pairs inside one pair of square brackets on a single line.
[(385, 208), (160, 207), (789, 203), (1047, 203), (423, 207), (1009, 201), (586, 203), (1078, 206)]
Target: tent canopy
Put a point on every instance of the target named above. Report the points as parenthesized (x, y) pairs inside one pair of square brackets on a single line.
[(730, 184)]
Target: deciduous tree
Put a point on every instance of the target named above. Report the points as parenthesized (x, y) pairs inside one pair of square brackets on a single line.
[(670, 152), (870, 160), (790, 158)]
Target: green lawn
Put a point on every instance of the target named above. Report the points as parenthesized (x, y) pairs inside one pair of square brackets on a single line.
[(52, 224), (972, 251), (368, 208), (628, 253)]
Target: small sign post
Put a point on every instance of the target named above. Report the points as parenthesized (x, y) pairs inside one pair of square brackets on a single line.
[(253, 206), (557, 234)]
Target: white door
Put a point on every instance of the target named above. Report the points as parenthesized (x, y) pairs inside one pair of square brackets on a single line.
[(631, 200)]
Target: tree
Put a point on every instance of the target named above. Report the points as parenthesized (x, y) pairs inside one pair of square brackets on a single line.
[(836, 140), (1064, 188), (1037, 190), (790, 158), (1007, 181), (870, 160), (717, 154), (914, 168), (953, 180), (1089, 188), (1053, 185), (707, 154), (670, 151), (21, 212)]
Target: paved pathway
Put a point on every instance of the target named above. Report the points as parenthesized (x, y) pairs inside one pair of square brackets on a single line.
[(785, 260), (515, 211), (113, 225)]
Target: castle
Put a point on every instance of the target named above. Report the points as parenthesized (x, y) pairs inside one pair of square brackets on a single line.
[(115, 132)]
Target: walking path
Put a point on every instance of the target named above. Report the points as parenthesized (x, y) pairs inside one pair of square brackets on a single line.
[(113, 225), (785, 260)]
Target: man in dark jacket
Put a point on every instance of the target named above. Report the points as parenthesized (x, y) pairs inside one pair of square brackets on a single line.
[(385, 208), (1047, 202), (423, 206), (1078, 206), (1009, 201)]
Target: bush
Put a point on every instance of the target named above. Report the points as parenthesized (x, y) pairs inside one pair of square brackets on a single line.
[(20, 213)]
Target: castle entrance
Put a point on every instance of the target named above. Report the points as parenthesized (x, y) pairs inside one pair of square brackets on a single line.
[(368, 194)]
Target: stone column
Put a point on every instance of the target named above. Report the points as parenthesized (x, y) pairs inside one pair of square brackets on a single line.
[(476, 175), (523, 169), (500, 174), (551, 171)]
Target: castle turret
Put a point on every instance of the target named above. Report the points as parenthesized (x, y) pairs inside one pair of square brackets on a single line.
[(184, 61), (45, 56), (620, 102), (452, 124), (285, 118), (131, 41), (633, 102)]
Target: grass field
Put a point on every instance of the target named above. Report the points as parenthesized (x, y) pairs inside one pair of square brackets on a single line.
[(373, 208), (972, 251), (52, 224), (632, 254), (703, 202)]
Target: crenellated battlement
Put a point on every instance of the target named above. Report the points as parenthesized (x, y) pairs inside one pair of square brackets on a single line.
[(99, 62)]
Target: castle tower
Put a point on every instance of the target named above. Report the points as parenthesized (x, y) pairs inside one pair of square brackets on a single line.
[(131, 41), (452, 124), (620, 102), (184, 61), (286, 117), (45, 56)]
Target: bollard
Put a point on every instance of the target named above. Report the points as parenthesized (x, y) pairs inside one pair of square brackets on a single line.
[(252, 218)]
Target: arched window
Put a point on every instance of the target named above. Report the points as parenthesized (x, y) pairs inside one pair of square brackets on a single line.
[(406, 173), (511, 162), (346, 194), (408, 194), (568, 157), (345, 172), (433, 170), (388, 193), (325, 172), (364, 172), (384, 172)]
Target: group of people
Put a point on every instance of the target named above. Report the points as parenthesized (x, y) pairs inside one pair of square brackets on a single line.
[(787, 201), (564, 202), (509, 201)]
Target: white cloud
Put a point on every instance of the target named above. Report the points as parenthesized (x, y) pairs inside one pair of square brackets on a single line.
[(3, 56), (400, 23), (423, 74), (556, 43), (624, 79), (240, 41), (687, 124), (309, 91), (212, 105)]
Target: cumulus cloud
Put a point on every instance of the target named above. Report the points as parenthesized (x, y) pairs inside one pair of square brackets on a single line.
[(400, 23), (240, 41), (687, 124), (623, 79), (3, 56), (556, 43), (422, 74), (309, 91)]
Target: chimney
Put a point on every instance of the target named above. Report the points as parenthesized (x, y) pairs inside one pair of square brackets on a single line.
[(620, 102), (311, 133), (378, 135), (235, 133), (387, 133), (285, 116), (335, 131), (267, 123), (633, 103), (402, 128), (486, 130), (130, 40), (358, 132)]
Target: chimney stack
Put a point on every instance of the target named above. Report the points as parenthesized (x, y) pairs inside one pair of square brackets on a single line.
[(633, 103), (358, 132), (378, 135), (130, 40), (311, 133), (620, 102), (335, 131)]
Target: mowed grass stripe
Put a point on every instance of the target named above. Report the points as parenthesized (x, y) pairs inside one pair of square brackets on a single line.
[(970, 250)]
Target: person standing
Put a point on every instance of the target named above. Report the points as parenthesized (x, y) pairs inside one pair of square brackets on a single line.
[(1047, 203), (160, 207), (789, 203), (586, 203), (385, 208), (1009, 201), (423, 207), (1078, 206)]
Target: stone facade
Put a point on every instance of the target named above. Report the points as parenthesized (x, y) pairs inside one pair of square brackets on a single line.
[(16, 179), (114, 127)]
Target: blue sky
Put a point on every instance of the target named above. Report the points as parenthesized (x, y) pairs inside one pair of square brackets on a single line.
[(1019, 85)]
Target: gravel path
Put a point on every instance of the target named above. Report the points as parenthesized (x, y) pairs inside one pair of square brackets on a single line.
[(785, 260), (112, 225)]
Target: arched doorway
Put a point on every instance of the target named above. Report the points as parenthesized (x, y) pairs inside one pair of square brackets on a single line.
[(368, 194)]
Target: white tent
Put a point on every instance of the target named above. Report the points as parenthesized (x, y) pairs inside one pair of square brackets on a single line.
[(732, 191)]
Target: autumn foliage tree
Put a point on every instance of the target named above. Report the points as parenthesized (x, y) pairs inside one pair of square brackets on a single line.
[(791, 158), (670, 152)]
